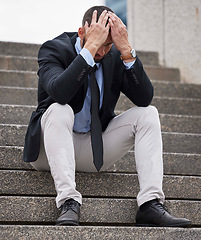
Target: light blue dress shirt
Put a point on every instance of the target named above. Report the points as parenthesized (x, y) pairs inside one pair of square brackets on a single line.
[(83, 118)]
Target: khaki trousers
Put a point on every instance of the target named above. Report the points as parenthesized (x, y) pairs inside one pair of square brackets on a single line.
[(63, 151)]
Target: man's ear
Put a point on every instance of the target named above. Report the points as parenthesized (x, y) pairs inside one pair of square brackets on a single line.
[(81, 33)]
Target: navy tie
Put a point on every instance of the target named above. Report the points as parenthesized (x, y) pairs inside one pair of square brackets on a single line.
[(96, 128)]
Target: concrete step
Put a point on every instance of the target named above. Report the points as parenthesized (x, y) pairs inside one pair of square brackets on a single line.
[(18, 63), (35, 210), (13, 232), (17, 50), (175, 89), (167, 105), (174, 163), (18, 114), (13, 135), (13, 78), (15, 114), (115, 185)]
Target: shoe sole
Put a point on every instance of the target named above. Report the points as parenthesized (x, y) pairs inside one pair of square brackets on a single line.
[(67, 223), (185, 225)]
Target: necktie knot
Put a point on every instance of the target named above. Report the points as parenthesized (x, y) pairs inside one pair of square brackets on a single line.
[(93, 69)]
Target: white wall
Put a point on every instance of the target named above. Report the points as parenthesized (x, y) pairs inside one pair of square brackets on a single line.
[(173, 29), (36, 21)]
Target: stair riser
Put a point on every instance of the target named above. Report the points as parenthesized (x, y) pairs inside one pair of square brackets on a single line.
[(179, 164), (178, 143), (16, 63), (178, 90), (96, 185), (19, 49), (97, 232), (169, 123), (113, 211), (18, 79)]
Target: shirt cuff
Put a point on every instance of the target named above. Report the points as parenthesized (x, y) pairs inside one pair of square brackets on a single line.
[(129, 64), (87, 56)]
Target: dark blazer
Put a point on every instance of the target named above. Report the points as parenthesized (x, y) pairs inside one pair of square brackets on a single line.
[(63, 78)]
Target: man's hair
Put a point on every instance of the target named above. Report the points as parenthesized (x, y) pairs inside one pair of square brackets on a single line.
[(88, 14)]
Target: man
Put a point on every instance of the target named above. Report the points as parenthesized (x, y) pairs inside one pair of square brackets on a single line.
[(74, 127)]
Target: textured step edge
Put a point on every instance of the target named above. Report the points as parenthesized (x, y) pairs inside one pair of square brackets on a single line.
[(174, 163), (96, 185), (93, 210), (96, 232)]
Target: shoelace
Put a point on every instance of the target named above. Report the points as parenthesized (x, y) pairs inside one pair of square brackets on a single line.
[(69, 205), (162, 207)]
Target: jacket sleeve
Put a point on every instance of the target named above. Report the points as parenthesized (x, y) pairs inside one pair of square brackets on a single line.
[(61, 72), (137, 86)]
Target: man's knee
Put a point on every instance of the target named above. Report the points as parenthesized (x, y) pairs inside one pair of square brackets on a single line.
[(60, 113), (148, 116)]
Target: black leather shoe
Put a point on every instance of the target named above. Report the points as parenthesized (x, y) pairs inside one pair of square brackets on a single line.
[(70, 213), (154, 214)]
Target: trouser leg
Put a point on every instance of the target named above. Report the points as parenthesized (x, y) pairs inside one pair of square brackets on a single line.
[(139, 126), (57, 137)]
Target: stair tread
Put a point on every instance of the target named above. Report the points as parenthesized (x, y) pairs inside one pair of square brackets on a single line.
[(13, 232), (94, 210), (96, 185)]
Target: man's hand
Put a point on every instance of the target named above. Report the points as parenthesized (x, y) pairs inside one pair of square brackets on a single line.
[(119, 34), (97, 33)]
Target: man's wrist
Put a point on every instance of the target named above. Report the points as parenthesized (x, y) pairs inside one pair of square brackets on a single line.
[(92, 48), (126, 51), (129, 56)]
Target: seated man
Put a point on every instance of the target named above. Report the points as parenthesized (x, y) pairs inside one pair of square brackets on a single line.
[(74, 127)]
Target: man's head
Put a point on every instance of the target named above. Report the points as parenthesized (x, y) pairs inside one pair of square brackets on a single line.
[(105, 48), (88, 14)]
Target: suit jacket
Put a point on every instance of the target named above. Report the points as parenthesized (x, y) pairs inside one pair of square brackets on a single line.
[(63, 78)]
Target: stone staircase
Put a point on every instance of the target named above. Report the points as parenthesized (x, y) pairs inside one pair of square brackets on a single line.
[(27, 197)]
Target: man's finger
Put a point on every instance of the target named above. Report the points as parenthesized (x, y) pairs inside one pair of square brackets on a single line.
[(102, 16), (105, 19), (94, 17), (114, 18)]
